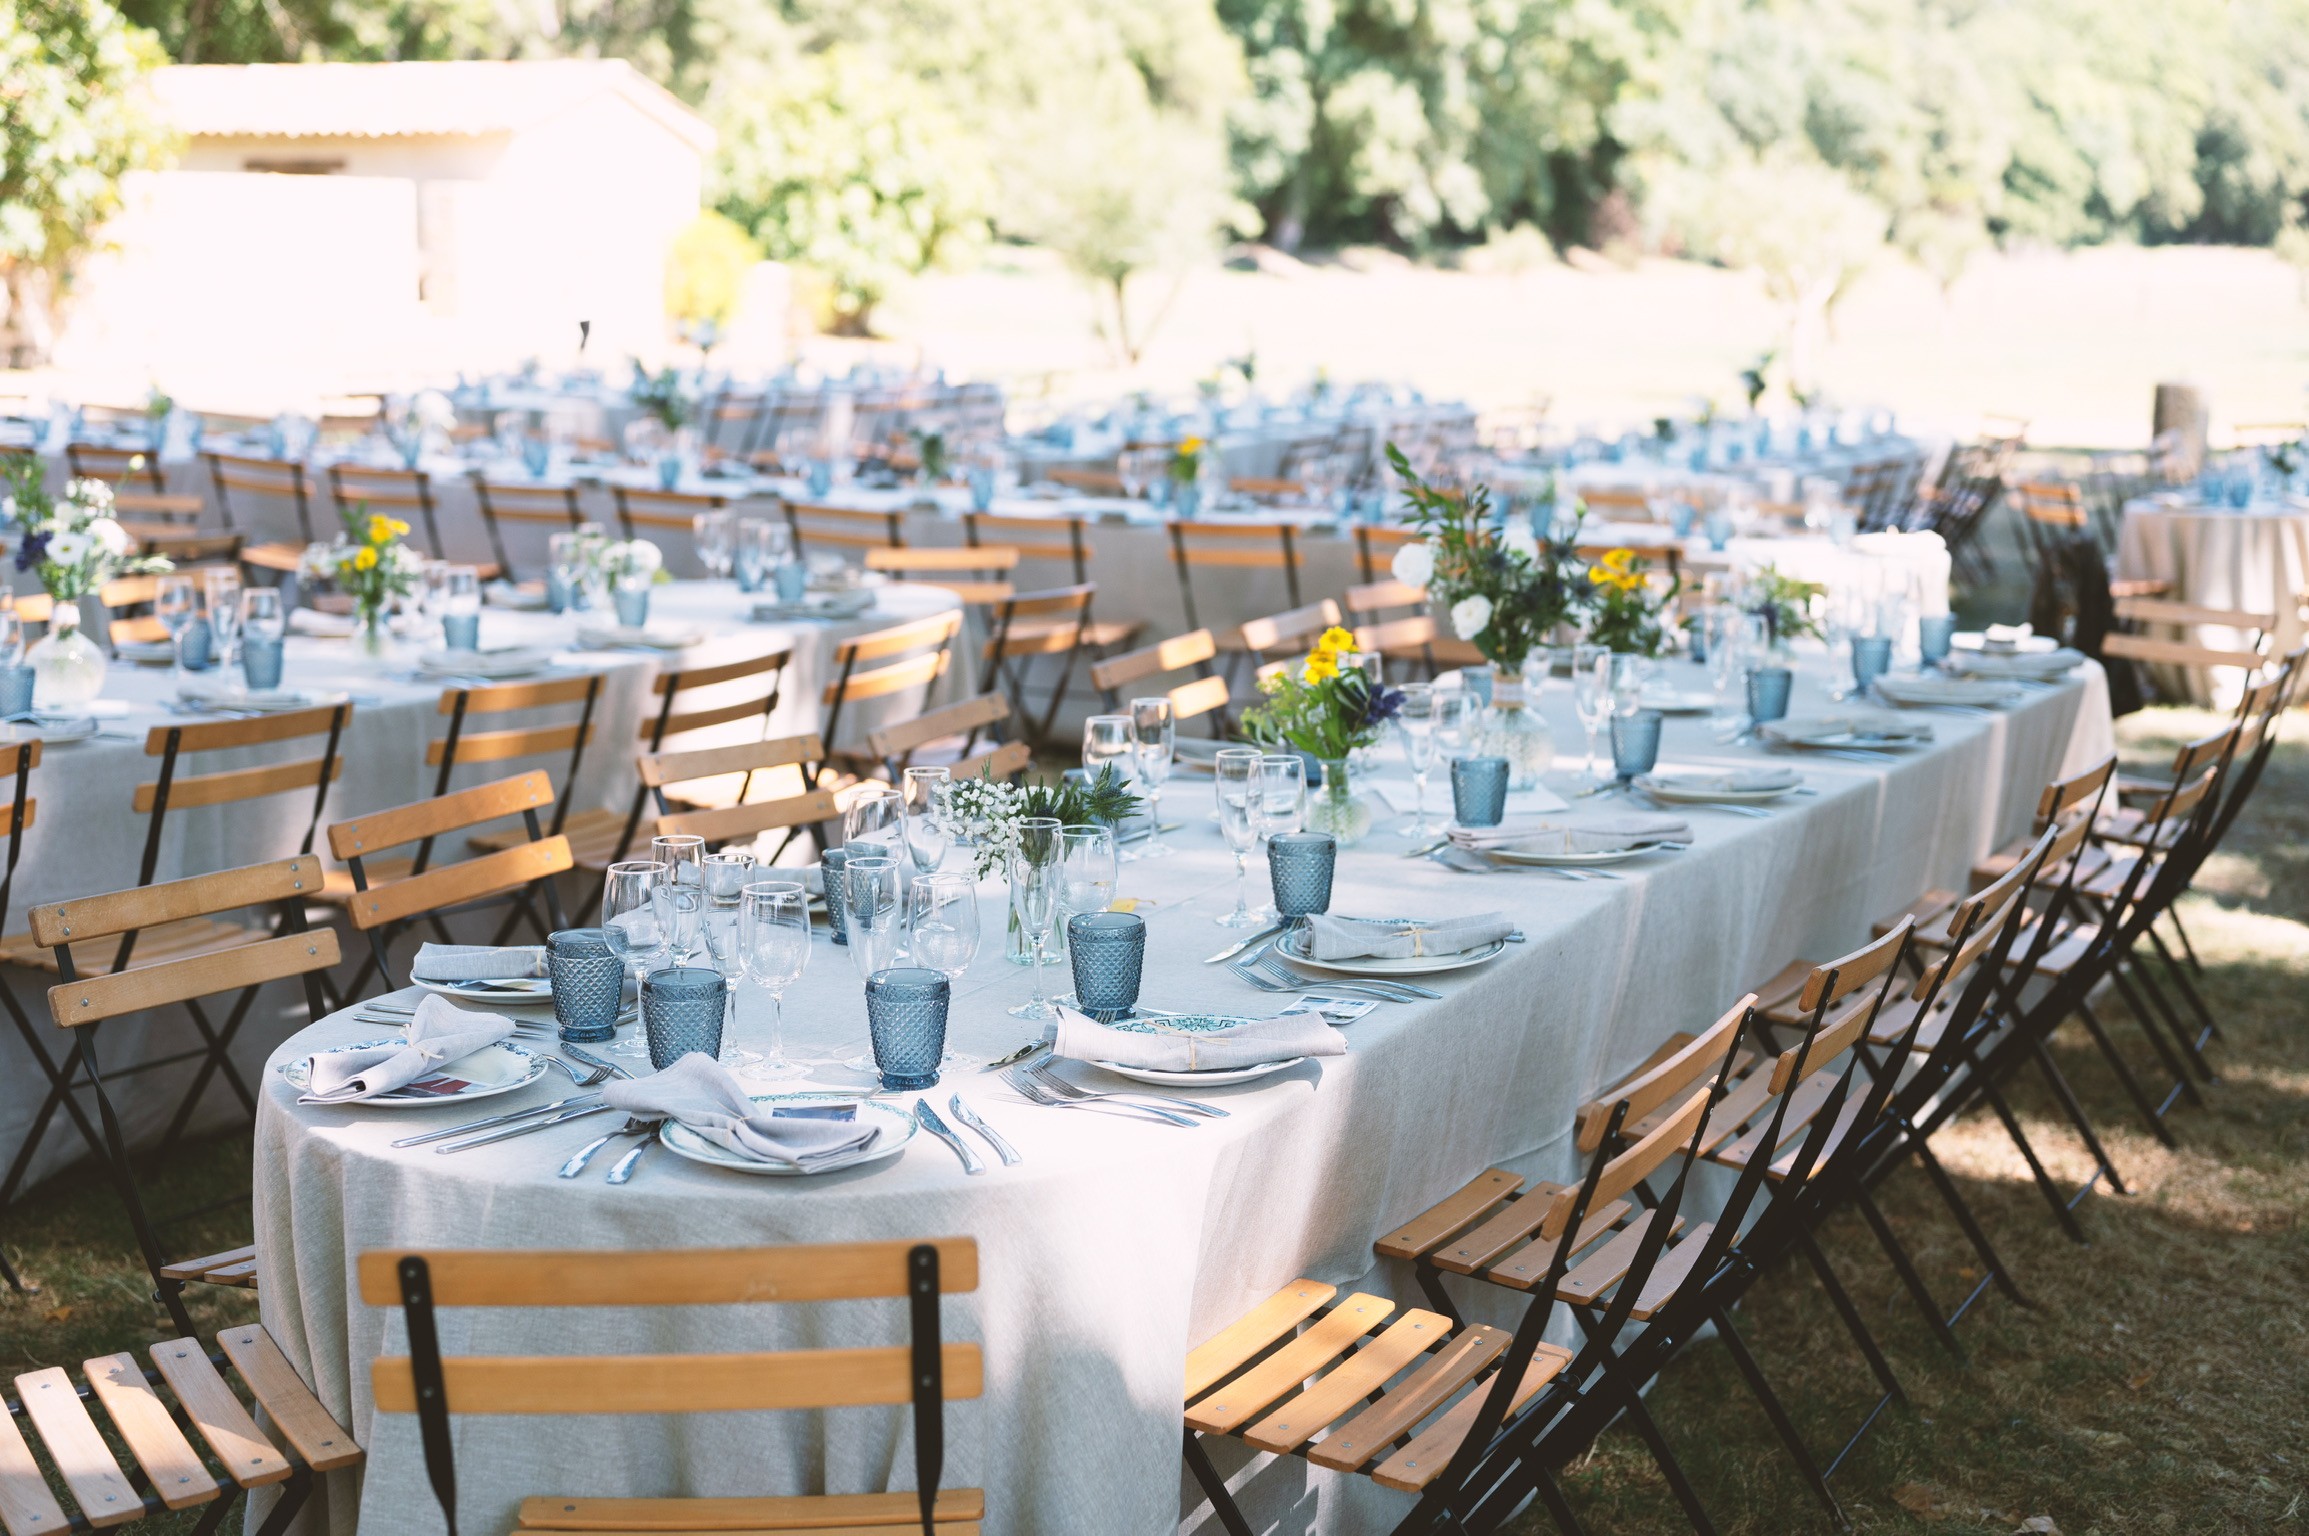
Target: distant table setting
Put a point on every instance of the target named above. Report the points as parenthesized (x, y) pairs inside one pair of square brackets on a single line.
[(1109, 1050), (2253, 557)]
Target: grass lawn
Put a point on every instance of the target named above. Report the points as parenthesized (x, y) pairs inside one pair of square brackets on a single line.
[(2160, 1383)]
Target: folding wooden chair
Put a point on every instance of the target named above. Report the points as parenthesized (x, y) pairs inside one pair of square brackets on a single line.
[(16, 763), (512, 876), (979, 574), (924, 1373), (187, 548), (273, 479), (139, 485), (280, 950), (168, 1475), (668, 511), (734, 421), (1026, 627), (1387, 596), (554, 506), (1284, 636), (1206, 696), (1032, 538), (890, 661), (2249, 652), (840, 528), (1233, 546), (948, 736), (353, 487), (741, 818)]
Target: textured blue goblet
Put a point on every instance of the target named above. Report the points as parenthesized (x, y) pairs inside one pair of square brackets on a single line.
[(1871, 658), (461, 631), (1299, 867), (906, 1016), (261, 662), (1933, 633), (1108, 952), (588, 983), (1478, 790), (830, 882), (1635, 743), (1768, 690), (681, 1012)]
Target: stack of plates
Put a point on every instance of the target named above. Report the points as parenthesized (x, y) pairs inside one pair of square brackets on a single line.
[(2027, 666), (816, 605), (1859, 729), (614, 637), (1921, 690)]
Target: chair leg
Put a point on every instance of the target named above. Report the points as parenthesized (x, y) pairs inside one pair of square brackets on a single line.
[(1905, 1268), (1657, 1443), (1958, 1208), (2198, 1068), (1842, 1301), (214, 1062), (2057, 1080), (2132, 1085), (1777, 1413), (2207, 1030), (1215, 1488), (2044, 1184)]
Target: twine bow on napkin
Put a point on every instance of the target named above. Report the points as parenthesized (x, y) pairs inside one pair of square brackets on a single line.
[(1348, 938)]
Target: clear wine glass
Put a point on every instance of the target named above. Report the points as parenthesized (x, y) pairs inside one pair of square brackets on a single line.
[(924, 794), (715, 536), (11, 637), (726, 877), (1154, 730), (1591, 695), (1630, 673), (870, 912), (1089, 867), (630, 924), (221, 585), (874, 822), (774, 949), (1036, 893), (942, 923), (682, 906), (1235, 773), (261, 616), (176, 603), (1415, 721)]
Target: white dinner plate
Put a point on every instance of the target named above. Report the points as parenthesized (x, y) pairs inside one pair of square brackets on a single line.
[(513, 661), (1221, 1079), (1876, 731), (56, 730), (1550, 860), (1678, 701), (1707, 789), (896, 1128), (488, 1072), (515, 992), (146, 652), (1293, 946)]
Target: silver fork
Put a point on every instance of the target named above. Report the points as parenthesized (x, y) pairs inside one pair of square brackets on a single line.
[(1041, 1069), (595, 1073), (1027, 1086), (1267, 983), (635, 1125), (1402, 991)]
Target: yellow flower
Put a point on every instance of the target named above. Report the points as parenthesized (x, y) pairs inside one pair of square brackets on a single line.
[(1335, 640), (1619, 560), (364, 560), (1190, 445), (1322, 667)]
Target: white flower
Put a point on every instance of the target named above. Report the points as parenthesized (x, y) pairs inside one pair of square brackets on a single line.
[(7, 509), (1414, 564), (69, 548), (1518, 540), (111, 535), (1469, 616), (433, 411), (634, 557)]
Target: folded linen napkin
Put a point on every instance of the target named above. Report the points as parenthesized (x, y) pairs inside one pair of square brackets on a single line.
[(1735, 781), (612, 637), (1347, 938), (829, 605), (510, 661), (1601, 834), (1985, 694), (311, 621), (2032, 666), (1250, 1044), (478, 962), (439, 1035), (701, 1094), (1880, 725)]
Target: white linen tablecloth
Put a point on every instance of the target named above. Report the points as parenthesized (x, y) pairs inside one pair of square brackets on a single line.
[(1116, 1246), (2253, 558)]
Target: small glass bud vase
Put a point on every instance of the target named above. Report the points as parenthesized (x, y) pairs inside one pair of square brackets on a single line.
[(67, 666), (1515, 731), (1335, 809)]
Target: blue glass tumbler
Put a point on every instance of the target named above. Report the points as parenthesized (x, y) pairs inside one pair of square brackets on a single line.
[(261, 662), (15, 691), (1635, 743), (1478, 791), (1933, 633), (588, 983), (1108, 953), (1299, 867), (830, 882), (1768, 690), (461, 631), (1871, 658), (681, 1012), (906, 1016)]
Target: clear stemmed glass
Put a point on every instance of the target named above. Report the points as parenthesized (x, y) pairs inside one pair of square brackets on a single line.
[(1279, 805), (874, 822), (176, 603), (1155, 732), (261, 616), (1110, 741), (1236, 775), (774, 948), (1037, 878), (11, 637), (1591, 695), (1629, 674), (924, 794), (1727, 662), (630, 924), (1415, 720), (726, 878), (1089, 868), (1454, 719), (942, 923), (870, 914), (680, 893), (715, 535), (221, 585)]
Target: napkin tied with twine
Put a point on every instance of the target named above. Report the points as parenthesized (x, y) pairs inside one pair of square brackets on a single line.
[(700, 1093), (479, 962), (1601, 834), (1253, 1043), (439, 1035), (1348, 938)]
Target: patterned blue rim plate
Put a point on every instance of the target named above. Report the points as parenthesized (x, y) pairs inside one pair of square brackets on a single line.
[(298, 1073), (1292, 946), (896, 1126)]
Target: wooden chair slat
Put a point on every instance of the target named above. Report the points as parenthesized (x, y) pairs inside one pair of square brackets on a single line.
[(1608, 1265), (236, 784), (738, 1383), (947, 720), (256, 731), (1217, 1357), (1450, 1216), (96, 917), (2149, 610), (1803, 1103), (700, 719), (1503, 1234), (1286, 628), (501, 698), (217, 1415), (1358, 1376), (1200, 697), (1374, 596), (499, 746), (899, 638), (1380, 1425), (77, 1448), (678, 1277), (2177, 653), (836, 1510), (170, 1463), (373, 834), (1249, 1394), (1424, 1459), (1242, 559), (476, 879), (1173, 655), (1634, 1165), (1840, 978), (726, 672), (895, 677), (662, 768), (27, 1506), (324, 1443), (91, 999), (727, 823), (967, 557), (1012, 757), (194, 1269)]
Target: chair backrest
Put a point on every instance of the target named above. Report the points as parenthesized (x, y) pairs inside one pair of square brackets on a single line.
[(173, 789), (1207, 694), (976, 573), (280, 478), (555, 506), (843, 527), (731, 694), (443, 886), (744, 819), (895, 744), (1091, 482), (1053, 622), (1670, 1078), (1241, 546), (1290, 632), (464, 705), (362, 485), (673, 511), (1375, 546), (888, 661), (115, 466), (1379, 596), (17, 760), (924, 1372), (1033, 538)]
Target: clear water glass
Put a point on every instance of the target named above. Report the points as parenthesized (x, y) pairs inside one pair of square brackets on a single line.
[(261, 615), (774, 950), (11, 637), (176, 603), (714, 535), (1037, 891), (1629, 674), (1591, 695), (1235, 779), (680, 894), (726, 877), (870, 911), (874, 822), (221, 586), (1154, 731), (924, 793), (1089, 867), (942, 923), (1454, 720), (1110, 741), (1415, 722), (628, 920)]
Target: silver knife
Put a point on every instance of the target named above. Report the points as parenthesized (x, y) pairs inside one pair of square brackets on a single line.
[(1238, 947), (969, 1117), (508, 1118), (521, 1130), (927, 1118), (622, 1170)]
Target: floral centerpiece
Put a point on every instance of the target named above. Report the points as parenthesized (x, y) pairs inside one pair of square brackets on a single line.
[(983, 815), (932, 457), (1784, 603), (1626, 610), (1327, 709), (369, 564), (662, 396), (665, 434), (1189, 462), (629, 568), (74, 545)]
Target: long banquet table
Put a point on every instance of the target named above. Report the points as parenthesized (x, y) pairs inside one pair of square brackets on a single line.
[(86, 840), (2255, 558), (1117, 1245)]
